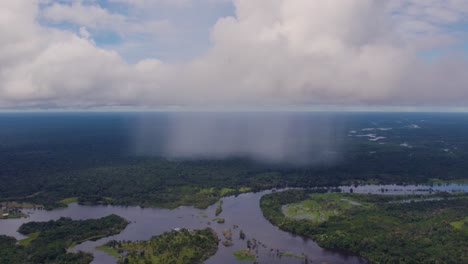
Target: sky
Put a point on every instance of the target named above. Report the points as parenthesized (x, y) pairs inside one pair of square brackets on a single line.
[(177, 54)]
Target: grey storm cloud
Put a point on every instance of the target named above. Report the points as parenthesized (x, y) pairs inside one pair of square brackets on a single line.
[(270, 52)]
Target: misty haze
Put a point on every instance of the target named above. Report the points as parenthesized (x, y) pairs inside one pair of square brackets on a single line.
[(289, 138)]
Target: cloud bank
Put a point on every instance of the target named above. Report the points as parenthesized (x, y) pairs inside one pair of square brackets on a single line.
[(269, 53)]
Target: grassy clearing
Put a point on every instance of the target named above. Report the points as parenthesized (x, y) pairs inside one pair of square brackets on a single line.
[(457, 224), (69, 200), (27, 240), (320, 207), (461, 224), (108, 250), (244, 255)]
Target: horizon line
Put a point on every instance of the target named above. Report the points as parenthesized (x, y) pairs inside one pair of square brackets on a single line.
[(318, 109)]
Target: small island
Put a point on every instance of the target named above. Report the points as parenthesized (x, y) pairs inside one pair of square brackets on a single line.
[(47, 242), (219, 220), (177, 246)]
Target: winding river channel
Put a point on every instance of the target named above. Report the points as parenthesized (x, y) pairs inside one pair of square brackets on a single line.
[(240, 212)]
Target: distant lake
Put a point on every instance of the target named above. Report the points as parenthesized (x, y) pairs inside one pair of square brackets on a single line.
[(242, 211)]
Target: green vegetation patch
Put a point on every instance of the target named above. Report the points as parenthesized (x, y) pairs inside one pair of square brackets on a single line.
[(219, 220), (108, 250), (384, 229), (219, 208), (69, 200), (209, 191), (457, 224), (182, 246), (245, 189), (291, 255), (227, 191), (227, 243), (245, 255), (28, 239), (460, 224)]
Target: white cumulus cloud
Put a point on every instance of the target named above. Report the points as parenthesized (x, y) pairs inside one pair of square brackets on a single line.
[(270, 52)]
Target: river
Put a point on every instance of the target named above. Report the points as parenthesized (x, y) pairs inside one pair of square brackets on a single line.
[(240, 212)]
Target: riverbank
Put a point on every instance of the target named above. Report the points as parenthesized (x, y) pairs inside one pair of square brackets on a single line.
[(381, 228)]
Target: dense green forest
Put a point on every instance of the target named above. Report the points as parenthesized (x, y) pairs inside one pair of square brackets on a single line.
[(48, 242), (178, 247), (54, 159), (381, 228), (47, 158)]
